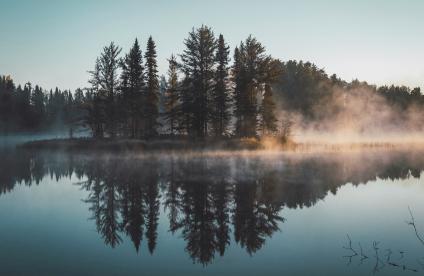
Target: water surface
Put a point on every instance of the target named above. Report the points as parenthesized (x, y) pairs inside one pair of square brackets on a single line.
[(214, 214)]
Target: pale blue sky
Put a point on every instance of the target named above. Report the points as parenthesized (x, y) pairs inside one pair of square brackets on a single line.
[(54, 43)]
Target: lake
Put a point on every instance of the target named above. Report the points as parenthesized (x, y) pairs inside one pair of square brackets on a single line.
[(217, 213)]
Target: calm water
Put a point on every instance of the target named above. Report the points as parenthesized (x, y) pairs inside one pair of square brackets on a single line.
[(274, 214)]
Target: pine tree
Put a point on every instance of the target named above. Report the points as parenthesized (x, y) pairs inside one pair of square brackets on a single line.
[(221, 94), (238, 80), (152, 90), (96, 103), (109, 65), (268, 119), (103, 110), (187, 98), (38, 108), (132, 87), (7, 89), (252, 69), (198, 61), (25, 106), (172, 97)]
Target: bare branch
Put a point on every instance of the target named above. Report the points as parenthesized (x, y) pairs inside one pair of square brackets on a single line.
[(412, 223)]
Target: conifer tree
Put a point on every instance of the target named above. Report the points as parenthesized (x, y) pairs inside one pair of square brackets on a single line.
[(187, 98), (268, 122), (172, 97), (105, 84), (25, 105), (132, 78), (96, 103), (152, 90), (7, 89), (221, 94), (252, 69), (38, 108), (237, 79), (198, 61), (109, 65)]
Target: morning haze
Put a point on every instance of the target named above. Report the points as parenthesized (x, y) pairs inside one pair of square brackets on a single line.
[(211, 138)]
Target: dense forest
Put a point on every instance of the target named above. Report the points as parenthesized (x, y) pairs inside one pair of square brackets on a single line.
[(207, 92)]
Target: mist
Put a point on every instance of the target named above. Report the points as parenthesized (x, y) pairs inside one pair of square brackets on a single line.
[(328, 110)]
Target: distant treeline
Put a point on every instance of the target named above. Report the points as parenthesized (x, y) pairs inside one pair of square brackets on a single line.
[(32, 109), (202, 94), (328, 102)]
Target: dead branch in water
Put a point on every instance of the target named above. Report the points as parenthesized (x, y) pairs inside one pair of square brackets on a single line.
[(350, 248), (379, 264), (363, 256), (412, 223)]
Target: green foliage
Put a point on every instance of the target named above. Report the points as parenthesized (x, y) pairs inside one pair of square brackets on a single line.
[(31, 109), (221, 98), (172, 98), (132, 90), (150, 109), (198, 61), (268, 122), (204, 95), (252, 69), (105, 84)]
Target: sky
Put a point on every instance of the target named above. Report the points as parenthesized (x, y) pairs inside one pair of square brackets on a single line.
[(54, 43)]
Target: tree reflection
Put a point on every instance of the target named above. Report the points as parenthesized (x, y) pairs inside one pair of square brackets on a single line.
[(207, 201)]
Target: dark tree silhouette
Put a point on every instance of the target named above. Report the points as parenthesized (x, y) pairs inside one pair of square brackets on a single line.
[(221, 98), (202, 97), (198, 61), (151, 112), (252, 69), (268, 121), (172, 98), (132, 86)]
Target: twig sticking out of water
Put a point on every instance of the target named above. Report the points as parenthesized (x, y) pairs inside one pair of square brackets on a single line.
[(363, 256), (412, 223), (350, 248), (403, 267), (379, 264), (392, 263)]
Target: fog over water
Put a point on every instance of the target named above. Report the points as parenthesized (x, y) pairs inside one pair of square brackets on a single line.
[(211, 212)]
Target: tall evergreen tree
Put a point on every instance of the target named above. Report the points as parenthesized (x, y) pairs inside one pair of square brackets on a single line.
[(268, 123), (7, 89), (96, 103), (252, 69), (152, 90), (171, 96), (109, 66), (198, 61), (105, 84), (238, 80), (221, 98), (25, 106), (133, 84), (38, 108)]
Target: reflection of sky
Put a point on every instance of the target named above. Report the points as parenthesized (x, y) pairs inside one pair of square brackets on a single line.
[(46, 229), (54, 43)]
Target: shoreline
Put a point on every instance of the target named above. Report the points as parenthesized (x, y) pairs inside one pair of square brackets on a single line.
[(139, 145), (207, 145)]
